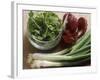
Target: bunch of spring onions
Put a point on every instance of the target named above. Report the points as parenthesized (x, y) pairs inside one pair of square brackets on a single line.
[(78, 53)]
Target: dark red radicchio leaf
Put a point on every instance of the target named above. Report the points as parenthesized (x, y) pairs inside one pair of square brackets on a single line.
[(74, 28), (82, 26)]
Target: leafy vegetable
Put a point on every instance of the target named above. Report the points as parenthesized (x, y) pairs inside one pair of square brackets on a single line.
[(45, 26), (74, 28)]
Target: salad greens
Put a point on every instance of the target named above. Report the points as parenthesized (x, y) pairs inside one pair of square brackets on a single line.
[(44, 26)]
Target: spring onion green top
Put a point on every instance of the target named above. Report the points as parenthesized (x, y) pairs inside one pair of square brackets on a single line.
[(44, 26)]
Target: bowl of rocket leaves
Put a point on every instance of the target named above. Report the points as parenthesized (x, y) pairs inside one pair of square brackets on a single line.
[(44, 29)]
